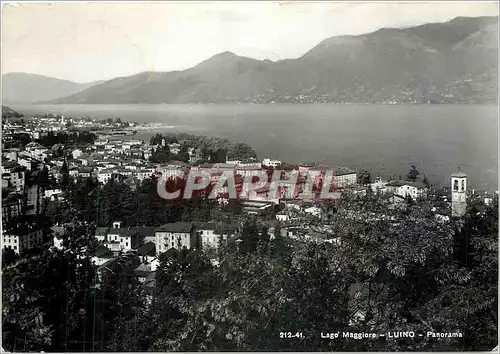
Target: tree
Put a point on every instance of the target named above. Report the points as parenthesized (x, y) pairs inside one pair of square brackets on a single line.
[(364, 177), (412, 174), (35, 287), (426, 182), (64, 171)]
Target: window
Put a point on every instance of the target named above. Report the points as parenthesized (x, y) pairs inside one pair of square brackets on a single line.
[(463, 185), (455, 185)]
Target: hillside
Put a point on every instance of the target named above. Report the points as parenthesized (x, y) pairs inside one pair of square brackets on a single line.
[(452, 62), (29, 88), (8, 112)]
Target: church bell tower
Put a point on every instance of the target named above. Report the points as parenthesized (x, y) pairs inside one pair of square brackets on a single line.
[(458, 194)]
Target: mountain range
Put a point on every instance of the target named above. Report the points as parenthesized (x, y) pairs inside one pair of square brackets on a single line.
[(451, 62), (31, 88)]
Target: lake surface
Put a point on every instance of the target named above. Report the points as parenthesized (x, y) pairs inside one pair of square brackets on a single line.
[(384, 139)]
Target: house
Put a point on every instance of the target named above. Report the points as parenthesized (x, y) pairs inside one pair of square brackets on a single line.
[(256, 207), (142, 174), (104, 176), (120, 239), (175, 148), (11, 207), (124, 264), (73, 172), (175, 235), (282, 216), (76, 153), (23, 238), (406, 189), (233, 162), (100, 233), (248, 170), (52, 193), (16, 178), (84, 159), (212, 233), (34, 197), (379, 186), (250, 163), (26, 162), (344, 177), (85, 172), (315, 211), (271, 163), (8, 166)]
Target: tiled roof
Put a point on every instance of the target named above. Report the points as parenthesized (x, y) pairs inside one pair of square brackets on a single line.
[(101, 231), (122, 231), (176, 227)]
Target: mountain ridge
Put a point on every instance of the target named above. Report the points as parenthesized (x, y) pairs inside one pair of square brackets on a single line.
[(19, 87), (449, 62)]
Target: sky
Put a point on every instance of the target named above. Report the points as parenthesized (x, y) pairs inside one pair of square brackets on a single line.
[(88, 41)]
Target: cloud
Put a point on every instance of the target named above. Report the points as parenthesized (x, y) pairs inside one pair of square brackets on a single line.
[(93, 41)]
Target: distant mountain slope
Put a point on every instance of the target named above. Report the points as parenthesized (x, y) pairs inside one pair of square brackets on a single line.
[(28, 88), (8, 112), (447, 62)]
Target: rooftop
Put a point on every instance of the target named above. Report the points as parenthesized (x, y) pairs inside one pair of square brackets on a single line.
[(459, 174), (184, 227)]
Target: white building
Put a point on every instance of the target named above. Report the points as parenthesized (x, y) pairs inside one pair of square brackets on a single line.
[(282, 216), (104, 176), (175, 235), (406, 189), (118, 238), (458, 194), (76, 153), (271, 163), (23, 239), (211, 234), (345, 178)]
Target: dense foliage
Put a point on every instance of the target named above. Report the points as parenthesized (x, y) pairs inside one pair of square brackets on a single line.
[(212, 149)]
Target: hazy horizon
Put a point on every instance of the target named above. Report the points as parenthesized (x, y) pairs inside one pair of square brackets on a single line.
[(129, 44)]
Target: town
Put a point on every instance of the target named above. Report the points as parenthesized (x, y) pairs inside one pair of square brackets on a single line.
[(57, 178), (104, 158)]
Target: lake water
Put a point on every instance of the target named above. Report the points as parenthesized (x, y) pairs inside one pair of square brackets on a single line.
[(385, 139)]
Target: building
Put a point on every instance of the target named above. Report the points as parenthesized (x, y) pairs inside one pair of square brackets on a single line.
[(11, 208), (344, 177), (406, 189), (24, 238), (282, 216), (271, 163), (211, 234), (104, 176), (53, 193), (76, 153), (175, 235), (119, 239), (34, 199), (458, 194)]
